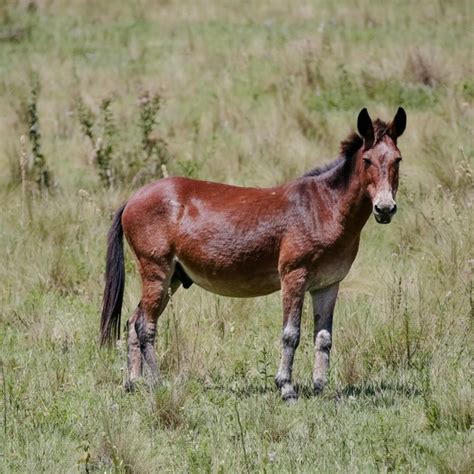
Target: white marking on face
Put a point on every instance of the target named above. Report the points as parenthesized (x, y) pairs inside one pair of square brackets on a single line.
[(384, 198), (383, 193)]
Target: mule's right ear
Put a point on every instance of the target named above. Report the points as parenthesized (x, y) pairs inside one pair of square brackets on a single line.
[(398, 124), (365, 128)]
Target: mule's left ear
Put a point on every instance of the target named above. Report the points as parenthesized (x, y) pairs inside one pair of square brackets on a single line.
[(398, 124)]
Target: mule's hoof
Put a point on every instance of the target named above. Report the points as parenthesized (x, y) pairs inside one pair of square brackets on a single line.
[(318, 386), (290, 401), (129, 386), (289, 395), (279, 381)]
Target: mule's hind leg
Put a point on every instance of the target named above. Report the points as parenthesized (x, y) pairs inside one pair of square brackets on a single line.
[(134, 352), (157, 288), (153, 303)]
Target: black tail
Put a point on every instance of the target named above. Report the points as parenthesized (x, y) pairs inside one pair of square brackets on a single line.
[(114, 283)]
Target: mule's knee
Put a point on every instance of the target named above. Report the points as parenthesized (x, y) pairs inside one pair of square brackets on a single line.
[(146, 332), (323, 341), (291, 336), (290, 341)]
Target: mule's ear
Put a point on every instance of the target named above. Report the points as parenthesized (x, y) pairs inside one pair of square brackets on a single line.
[(366, 128), (398, 125)]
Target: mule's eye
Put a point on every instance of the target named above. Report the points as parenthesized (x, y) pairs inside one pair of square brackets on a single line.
[(367, 161)]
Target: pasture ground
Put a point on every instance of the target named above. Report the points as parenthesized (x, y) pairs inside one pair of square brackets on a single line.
[(252, 93)]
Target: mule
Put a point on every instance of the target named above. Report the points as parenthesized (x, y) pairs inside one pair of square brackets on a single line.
[(300, 237)]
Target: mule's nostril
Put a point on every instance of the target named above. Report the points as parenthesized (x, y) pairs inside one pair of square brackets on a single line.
[(386, 209)]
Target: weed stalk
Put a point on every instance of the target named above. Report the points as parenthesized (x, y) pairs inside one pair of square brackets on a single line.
[(40, 172), (242, 440)]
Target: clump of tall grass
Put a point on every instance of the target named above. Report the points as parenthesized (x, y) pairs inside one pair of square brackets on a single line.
[(115, 449), (167, 405), (451, 166), (446, 392), (164, 404)]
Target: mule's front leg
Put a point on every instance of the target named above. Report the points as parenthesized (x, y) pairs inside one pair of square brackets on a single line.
[(292, 290), (323, 309)]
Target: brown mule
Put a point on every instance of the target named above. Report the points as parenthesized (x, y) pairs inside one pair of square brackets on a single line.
[(300, 237)]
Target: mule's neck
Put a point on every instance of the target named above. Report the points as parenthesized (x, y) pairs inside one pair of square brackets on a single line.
[(351, 206)]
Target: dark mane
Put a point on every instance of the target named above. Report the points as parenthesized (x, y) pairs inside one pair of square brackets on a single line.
[(319, 170), (350, 146), (348, 149)]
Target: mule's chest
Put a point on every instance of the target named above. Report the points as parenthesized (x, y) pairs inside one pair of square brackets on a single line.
[(323, 276), (331, 266)]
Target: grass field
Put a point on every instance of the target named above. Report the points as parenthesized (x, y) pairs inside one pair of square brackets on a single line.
[(252, 93)]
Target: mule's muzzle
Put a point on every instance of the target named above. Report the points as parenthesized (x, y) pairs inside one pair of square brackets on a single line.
[(384, 212)]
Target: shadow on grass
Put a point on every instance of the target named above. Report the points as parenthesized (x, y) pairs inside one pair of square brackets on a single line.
[(375, 389), (385, 392)]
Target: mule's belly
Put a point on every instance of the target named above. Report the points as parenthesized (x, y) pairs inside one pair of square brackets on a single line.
[(259, 276), (234, 284), (263, 283)]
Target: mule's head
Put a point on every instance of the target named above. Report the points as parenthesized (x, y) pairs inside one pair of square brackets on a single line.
[(379, 162)]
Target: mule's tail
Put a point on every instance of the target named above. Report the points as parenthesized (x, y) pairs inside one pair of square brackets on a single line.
[(114, 283)]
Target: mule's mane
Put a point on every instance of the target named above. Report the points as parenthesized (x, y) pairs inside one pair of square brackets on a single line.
[(348, 149)]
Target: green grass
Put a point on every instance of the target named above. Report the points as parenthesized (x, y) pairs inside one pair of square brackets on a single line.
[(254, 94)]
